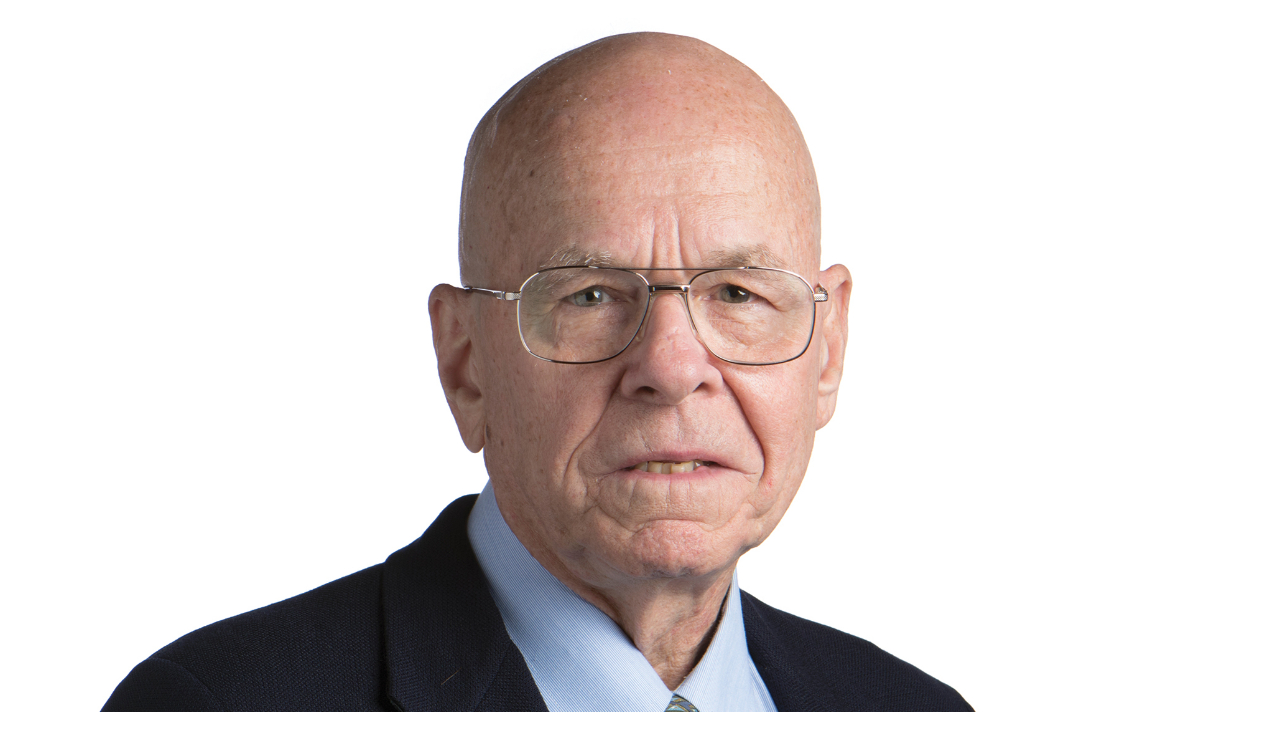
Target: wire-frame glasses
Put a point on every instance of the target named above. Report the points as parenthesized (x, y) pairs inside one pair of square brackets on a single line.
[(747, 315)]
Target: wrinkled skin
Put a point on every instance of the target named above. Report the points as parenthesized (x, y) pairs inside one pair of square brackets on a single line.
[(640, 151)]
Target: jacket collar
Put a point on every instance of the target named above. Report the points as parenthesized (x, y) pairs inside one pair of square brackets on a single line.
[(795, 683), (446, 648), (445, 645)]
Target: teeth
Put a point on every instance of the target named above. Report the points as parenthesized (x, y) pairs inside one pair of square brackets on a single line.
[(669, 467)]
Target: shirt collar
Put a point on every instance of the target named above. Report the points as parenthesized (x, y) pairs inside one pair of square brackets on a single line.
[(579, 658)]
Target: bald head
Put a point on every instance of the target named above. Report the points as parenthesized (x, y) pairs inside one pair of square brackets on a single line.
[(556, 146)]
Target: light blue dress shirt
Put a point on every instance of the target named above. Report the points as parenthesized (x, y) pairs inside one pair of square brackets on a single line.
[(580, 659)]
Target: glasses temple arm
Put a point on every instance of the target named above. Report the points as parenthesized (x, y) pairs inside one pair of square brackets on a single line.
[(506, 296)]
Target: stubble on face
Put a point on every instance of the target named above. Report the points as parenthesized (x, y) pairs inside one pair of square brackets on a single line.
[(639, 151)]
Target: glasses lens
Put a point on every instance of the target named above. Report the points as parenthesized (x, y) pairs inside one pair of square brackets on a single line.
[(579, 314), (752, 316)]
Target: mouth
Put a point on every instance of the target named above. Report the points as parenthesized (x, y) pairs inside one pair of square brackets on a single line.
[(671, 467)]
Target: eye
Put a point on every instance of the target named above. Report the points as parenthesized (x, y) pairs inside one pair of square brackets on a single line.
[(734, 294), (590, 297)]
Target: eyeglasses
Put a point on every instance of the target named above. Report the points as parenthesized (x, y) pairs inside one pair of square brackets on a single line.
[(583, 314)]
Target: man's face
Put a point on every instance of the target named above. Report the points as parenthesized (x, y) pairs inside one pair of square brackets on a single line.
[(561, 441)]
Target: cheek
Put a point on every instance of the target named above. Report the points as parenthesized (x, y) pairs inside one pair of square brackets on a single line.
[(781, 408), (539, 412)]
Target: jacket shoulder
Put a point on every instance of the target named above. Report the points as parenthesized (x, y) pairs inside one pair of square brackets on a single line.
[(808, 666), (320, 650)]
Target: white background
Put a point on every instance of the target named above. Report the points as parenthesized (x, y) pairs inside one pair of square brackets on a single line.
[(1051, 481)]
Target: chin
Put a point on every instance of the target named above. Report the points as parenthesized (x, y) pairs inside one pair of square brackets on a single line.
[(677, 549)]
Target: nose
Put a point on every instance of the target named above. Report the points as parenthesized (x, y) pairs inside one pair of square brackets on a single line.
[(666, 363)]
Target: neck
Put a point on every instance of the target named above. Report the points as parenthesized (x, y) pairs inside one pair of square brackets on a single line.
[(670, 620)]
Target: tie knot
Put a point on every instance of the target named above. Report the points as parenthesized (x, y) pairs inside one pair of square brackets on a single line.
[(680, 704)]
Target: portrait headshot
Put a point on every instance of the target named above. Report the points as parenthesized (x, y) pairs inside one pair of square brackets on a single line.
[(907, 358), (643, 347)]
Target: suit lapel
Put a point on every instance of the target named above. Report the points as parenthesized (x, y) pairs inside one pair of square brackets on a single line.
[(795, 683), (445, 644), (446, 648)]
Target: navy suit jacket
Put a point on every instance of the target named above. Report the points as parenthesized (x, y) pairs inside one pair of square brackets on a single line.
[(421, 632)]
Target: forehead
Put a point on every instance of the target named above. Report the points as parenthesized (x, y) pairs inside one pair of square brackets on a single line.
[(683, 201)]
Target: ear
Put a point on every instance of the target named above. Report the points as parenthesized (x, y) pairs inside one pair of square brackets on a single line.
[(834, 335), (452, 331)]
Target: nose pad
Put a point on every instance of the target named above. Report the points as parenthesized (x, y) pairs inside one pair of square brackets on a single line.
[(654, 301)]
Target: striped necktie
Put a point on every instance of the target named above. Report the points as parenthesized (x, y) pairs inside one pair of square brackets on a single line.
[(680, 704)]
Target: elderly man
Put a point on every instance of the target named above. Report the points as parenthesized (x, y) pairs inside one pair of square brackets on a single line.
[(643, 347)]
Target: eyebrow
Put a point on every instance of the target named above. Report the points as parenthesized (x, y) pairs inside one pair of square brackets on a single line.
[(754, 255), (573, 255)]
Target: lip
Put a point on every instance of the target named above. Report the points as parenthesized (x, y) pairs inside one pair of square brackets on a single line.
[(711, 461)]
